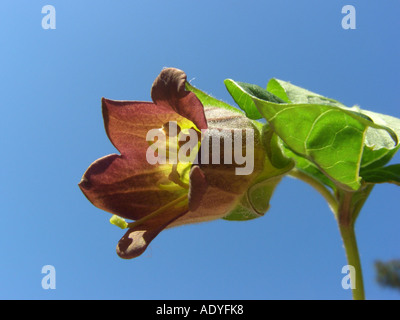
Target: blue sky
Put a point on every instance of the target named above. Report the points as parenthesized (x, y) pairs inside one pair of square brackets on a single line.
[(52, 129)]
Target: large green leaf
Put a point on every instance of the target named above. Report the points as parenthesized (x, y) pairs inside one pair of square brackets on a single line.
[(309, 168), (379, 144), (294, 94), (323, 131)]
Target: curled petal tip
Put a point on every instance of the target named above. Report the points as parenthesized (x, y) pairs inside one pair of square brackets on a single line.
[(84, 183), (132, 244), (168, 85), (168, 90), (136, 239)]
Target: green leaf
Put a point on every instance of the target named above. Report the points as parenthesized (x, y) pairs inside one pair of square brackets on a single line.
[(277, 89), (378, 143), (321, 130), (309, 168), (294, 94), (244, 101), (327, 137), (390, 174), (372, 159), (379, 147)]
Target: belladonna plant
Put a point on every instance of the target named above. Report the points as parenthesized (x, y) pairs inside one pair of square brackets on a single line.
[(160, 183), (162, 195)]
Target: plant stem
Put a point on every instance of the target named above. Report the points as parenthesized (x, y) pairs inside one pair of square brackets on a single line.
[(346, 221), (346, 207), (353, 259)]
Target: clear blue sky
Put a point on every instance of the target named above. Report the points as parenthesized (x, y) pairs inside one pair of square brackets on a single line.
[(52, 129)]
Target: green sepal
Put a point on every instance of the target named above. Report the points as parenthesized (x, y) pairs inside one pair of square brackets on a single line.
[(256, 201)]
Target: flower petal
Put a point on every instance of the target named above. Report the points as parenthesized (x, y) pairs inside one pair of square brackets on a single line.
[(136, 240), (169, 91), (128, 122), (215, 204), (126, 184), (114, 184)]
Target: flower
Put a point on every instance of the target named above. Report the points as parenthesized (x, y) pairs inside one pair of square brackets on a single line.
[(159, 196)]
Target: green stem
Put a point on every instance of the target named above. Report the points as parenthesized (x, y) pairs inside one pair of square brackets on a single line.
[(346, 207), (346, 221), (353, 259)]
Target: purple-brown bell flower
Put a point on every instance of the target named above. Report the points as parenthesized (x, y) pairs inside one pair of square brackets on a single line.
[(162, 195)]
